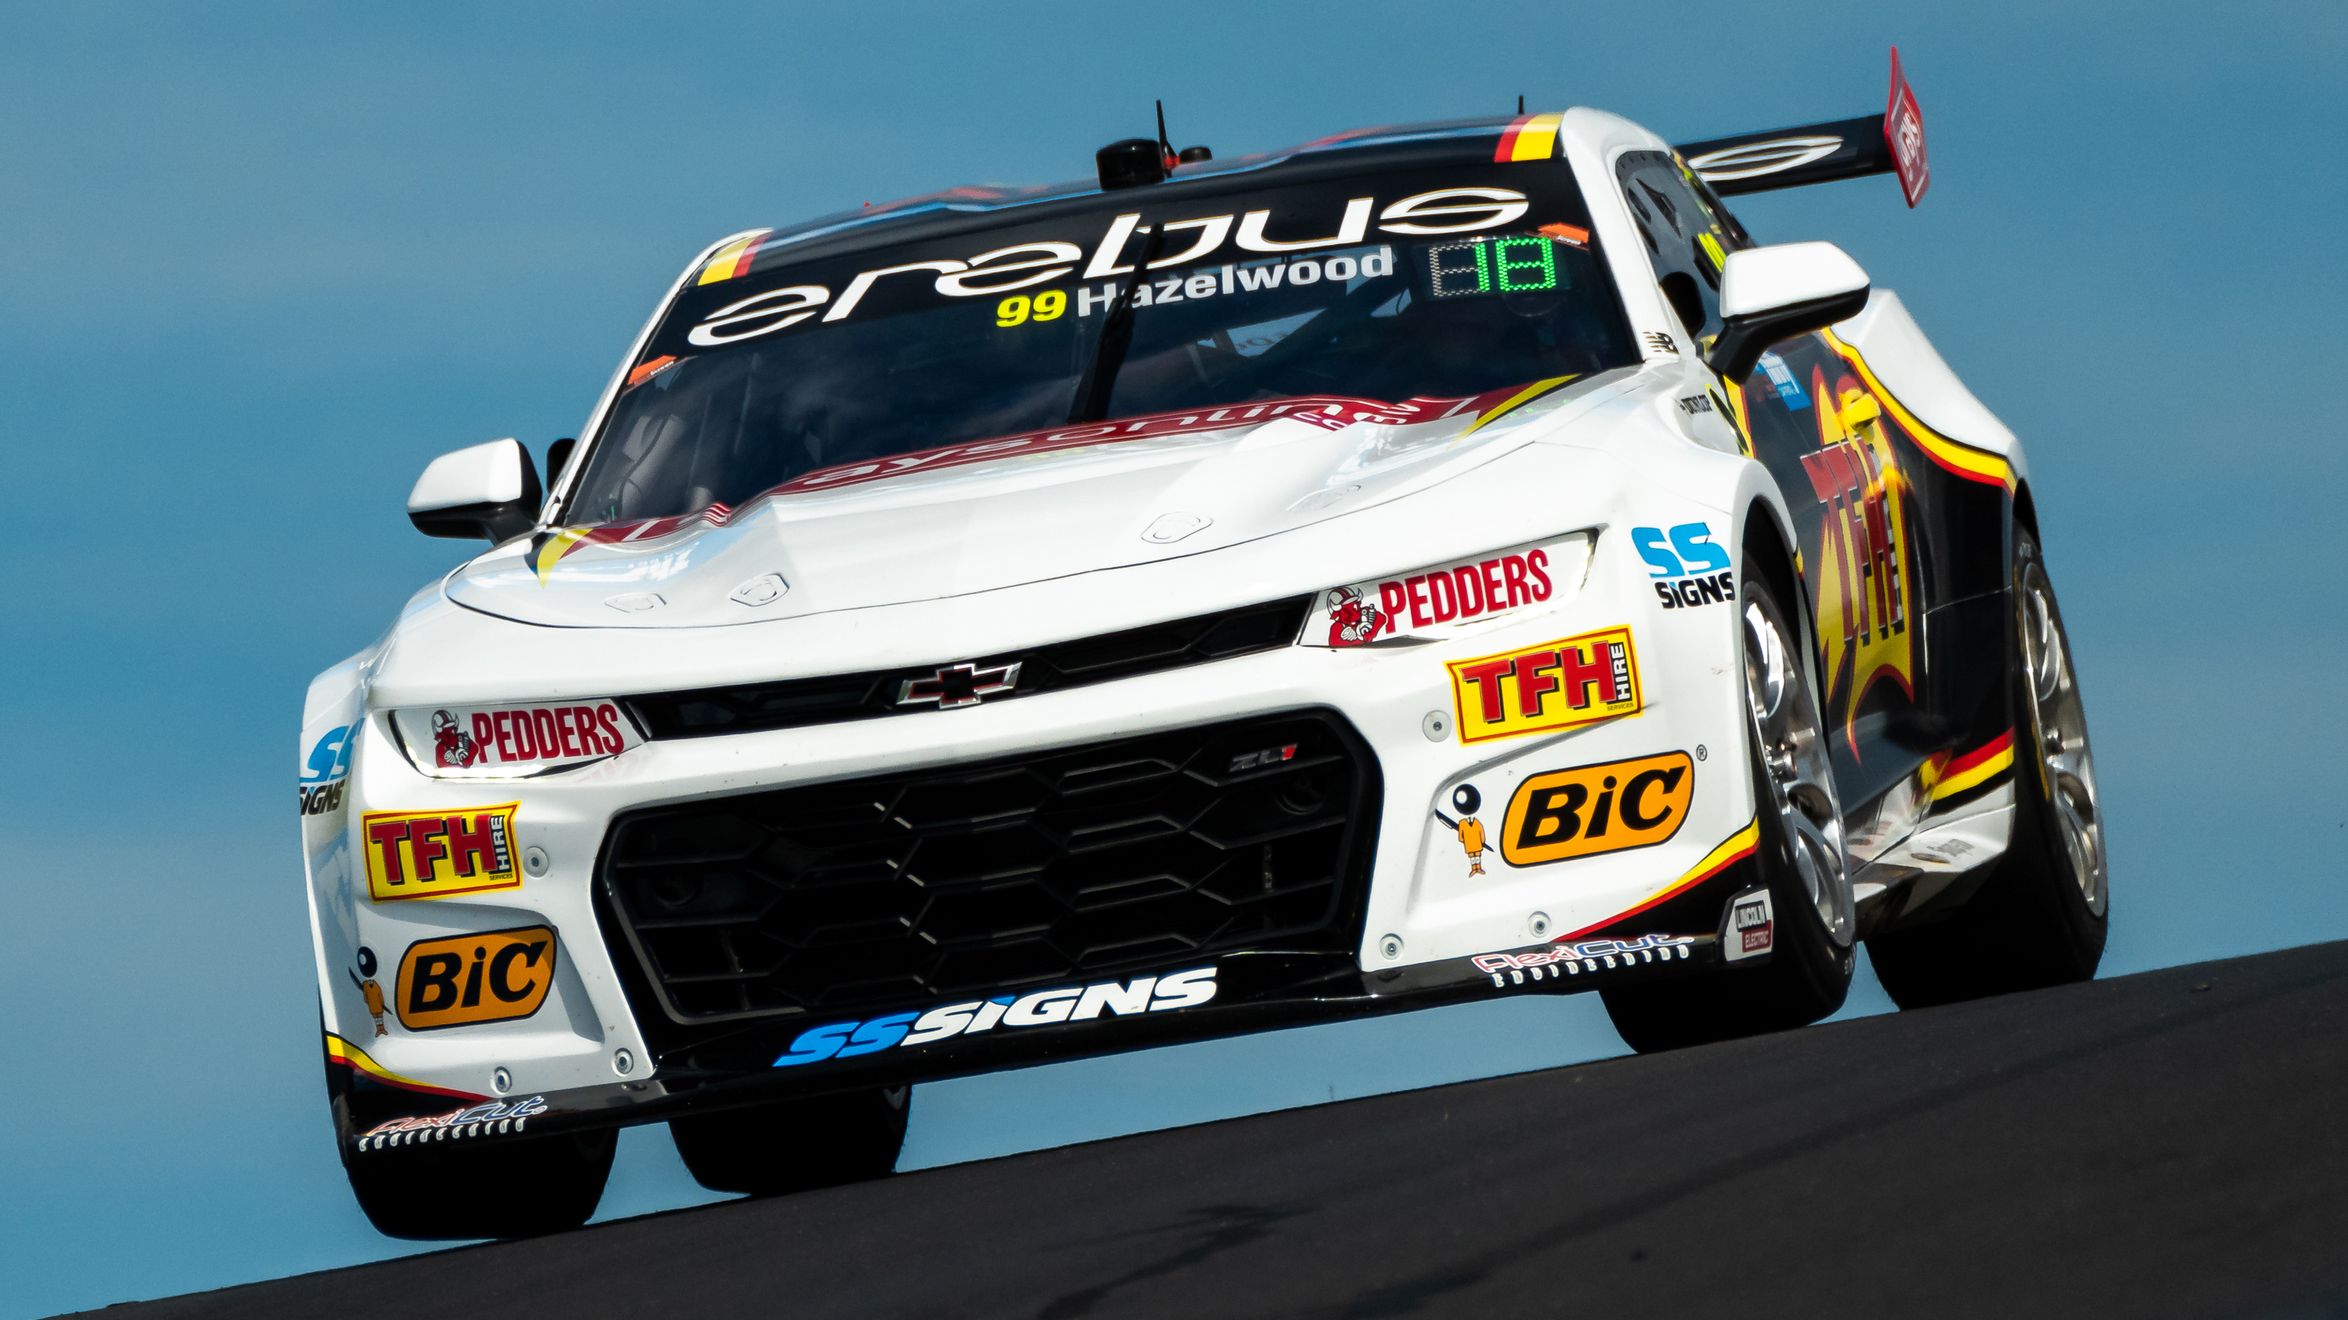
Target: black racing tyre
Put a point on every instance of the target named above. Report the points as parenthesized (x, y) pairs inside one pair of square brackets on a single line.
[(2040, 917), (1801, 853), (484, 1188), (796, 1145)]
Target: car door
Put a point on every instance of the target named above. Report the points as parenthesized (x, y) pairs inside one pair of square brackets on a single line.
[(1811, 418)]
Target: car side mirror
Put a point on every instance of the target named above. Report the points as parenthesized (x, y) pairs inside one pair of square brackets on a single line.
[(1768, 294), (488, 490)]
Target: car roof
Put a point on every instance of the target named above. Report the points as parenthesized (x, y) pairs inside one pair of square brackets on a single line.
[(983, 206)]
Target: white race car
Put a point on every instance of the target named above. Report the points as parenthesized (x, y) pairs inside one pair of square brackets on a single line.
[(1018, 624)]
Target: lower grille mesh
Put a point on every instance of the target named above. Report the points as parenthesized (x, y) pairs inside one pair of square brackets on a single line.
[(969, 880)]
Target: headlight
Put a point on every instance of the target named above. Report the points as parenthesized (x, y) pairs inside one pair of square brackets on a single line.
[(1450, 598), (506, 742)]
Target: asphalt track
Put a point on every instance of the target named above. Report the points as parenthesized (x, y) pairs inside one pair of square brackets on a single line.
[(2174, 1143)]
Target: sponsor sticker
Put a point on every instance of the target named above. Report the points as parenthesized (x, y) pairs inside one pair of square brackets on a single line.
[(1098, 255), (1075, 1003), (370, 989), (436, 854), (1436, 601), (1903, 132), (1781, 378), (495, 976), (325, 772), (1581, 958), (1752, 927), (494, 739), (1694, 569), (1553, 685), (1590, 809), (489, 1118), (1465, 800)]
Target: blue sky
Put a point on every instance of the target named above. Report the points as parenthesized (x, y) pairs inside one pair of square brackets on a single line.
[(260, 263)]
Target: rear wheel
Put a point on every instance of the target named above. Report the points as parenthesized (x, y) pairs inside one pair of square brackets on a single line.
[(795, 1145), (2040, 917), (490, 1189), (1801, 852)]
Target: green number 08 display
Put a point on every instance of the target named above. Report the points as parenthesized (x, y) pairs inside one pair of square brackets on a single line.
[(1491, 265)]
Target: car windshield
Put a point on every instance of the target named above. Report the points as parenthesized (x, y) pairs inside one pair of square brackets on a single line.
[(1427, 283)]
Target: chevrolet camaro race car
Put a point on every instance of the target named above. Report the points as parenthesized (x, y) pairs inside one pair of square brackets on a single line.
[(1016, 624)]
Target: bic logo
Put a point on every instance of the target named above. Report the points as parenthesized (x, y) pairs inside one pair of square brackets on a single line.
[(1556, 685), (432, 854), (465, 979), (1597, 809)]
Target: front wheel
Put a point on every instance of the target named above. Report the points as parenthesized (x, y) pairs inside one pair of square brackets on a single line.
[(2039, 919), (795, 1145), (1800, 847)]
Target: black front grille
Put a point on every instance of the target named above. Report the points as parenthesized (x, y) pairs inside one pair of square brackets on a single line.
[(789, 703), (925, 886)]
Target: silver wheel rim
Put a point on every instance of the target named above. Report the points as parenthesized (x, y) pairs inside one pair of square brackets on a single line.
[(1791, 743), (2058, 730)]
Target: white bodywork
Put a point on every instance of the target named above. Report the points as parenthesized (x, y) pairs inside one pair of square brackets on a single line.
[(984, 559)]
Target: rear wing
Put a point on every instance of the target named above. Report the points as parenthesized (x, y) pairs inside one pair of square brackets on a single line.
[(1888, 143)]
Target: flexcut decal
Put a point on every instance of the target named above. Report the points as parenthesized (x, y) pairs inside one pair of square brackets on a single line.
[(494, 976), (434, 854), (489, 1118), (1592, 809), (1580, 957), (1555, 685)]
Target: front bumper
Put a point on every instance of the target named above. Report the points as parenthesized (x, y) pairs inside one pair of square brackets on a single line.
[(602, 1046)]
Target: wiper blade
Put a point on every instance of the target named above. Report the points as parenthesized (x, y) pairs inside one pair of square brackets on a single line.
[(1108, 352)]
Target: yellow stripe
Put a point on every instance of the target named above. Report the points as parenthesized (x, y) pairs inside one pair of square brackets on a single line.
[(1537, 140), (1955, 453), (552, 552), (338, 1048), (1736, 414), (1968, 778), (1516, 401), (1748, 837), (721, 264)]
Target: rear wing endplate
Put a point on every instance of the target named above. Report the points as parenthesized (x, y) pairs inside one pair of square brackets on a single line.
[(1888, 143)]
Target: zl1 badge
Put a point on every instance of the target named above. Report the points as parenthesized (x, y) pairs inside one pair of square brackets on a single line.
[(464, 979), (1597, 809), (434, 854), (1556, 685)]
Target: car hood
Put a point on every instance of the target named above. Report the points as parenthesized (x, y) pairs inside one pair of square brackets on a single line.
[(1005, 512)]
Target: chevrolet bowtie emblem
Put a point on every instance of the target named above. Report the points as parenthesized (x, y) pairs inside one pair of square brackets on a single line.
[(958, 685)]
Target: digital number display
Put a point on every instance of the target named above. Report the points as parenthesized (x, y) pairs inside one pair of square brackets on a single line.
[(1485, 266)]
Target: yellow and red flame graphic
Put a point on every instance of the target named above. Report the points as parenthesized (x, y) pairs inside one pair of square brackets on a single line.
[(1865, 588)]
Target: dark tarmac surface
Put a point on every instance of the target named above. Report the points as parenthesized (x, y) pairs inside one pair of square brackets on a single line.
[(2174, 1143)]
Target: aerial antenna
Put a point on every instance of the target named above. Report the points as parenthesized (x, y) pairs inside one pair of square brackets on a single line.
[(1520, 103), (1165, 144)]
